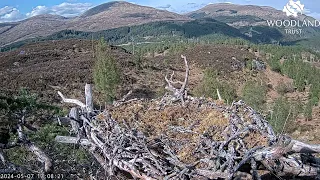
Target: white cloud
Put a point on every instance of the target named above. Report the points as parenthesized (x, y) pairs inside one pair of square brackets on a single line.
[(5, 10), (63, 9), (38, 10), (164, 6), (67, 9), (70, 9), (314, 15), (8, 14)]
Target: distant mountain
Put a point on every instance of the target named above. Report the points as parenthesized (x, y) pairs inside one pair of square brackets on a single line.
[(118, 14), (37, 26), (240, 15), (99, 9), (102, 17), (206, 29), (253, 20), (117, 19)]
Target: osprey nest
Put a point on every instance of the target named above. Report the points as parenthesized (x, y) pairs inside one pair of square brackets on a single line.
[(184, 137)]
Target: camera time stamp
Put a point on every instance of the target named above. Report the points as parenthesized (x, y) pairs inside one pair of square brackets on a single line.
[(30, 176)]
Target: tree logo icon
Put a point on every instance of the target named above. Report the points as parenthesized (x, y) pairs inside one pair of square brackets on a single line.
[(292, 8)]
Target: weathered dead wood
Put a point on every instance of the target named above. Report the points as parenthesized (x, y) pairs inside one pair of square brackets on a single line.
[(212, 175), (42, 157), (124, 100), (23, 140), (72, 140), (300, 147), (122, 146), (63, 121), (179, 94), (89, 101), (2, 157), (72, 101), (74, 116)]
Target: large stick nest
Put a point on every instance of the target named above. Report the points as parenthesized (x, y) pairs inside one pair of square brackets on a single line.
[(199, 140), (183, 137)]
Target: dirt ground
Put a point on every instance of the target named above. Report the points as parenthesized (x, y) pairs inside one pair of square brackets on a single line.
[(66, 65)]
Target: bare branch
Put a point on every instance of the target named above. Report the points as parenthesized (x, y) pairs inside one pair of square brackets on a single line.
[(120, 144), (72, 140), (89, 101), (42, 157), (72, 101), (179, 94), (186, 78), (300, 147), (123, 100)]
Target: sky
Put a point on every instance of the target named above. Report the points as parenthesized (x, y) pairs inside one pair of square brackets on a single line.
[(15, 10)]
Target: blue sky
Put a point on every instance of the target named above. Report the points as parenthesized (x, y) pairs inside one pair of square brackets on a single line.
[(14, 10)]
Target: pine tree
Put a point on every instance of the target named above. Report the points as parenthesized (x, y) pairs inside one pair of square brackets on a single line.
[(106, 74)]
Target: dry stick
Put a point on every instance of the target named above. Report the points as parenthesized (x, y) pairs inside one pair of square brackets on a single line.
[(42, 157), (72, 101), (212, 175), (182, 92), (127, 150), (186, 78), (300, 147), (89, 101), (123, 100), (74, 116), (72, 140), (2, 157), (123, 165)]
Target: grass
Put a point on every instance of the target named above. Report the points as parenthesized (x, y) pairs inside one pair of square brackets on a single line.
[(209, 85), (283, 114), (254, 94)]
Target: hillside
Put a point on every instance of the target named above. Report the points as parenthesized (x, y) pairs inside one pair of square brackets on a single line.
[(252, 21), (105, 16), (278, 87), (55, 65), (117, 14), (120, 22), (67, 64), (154, 32), (38, 26), (240, 15), (45, 67)]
